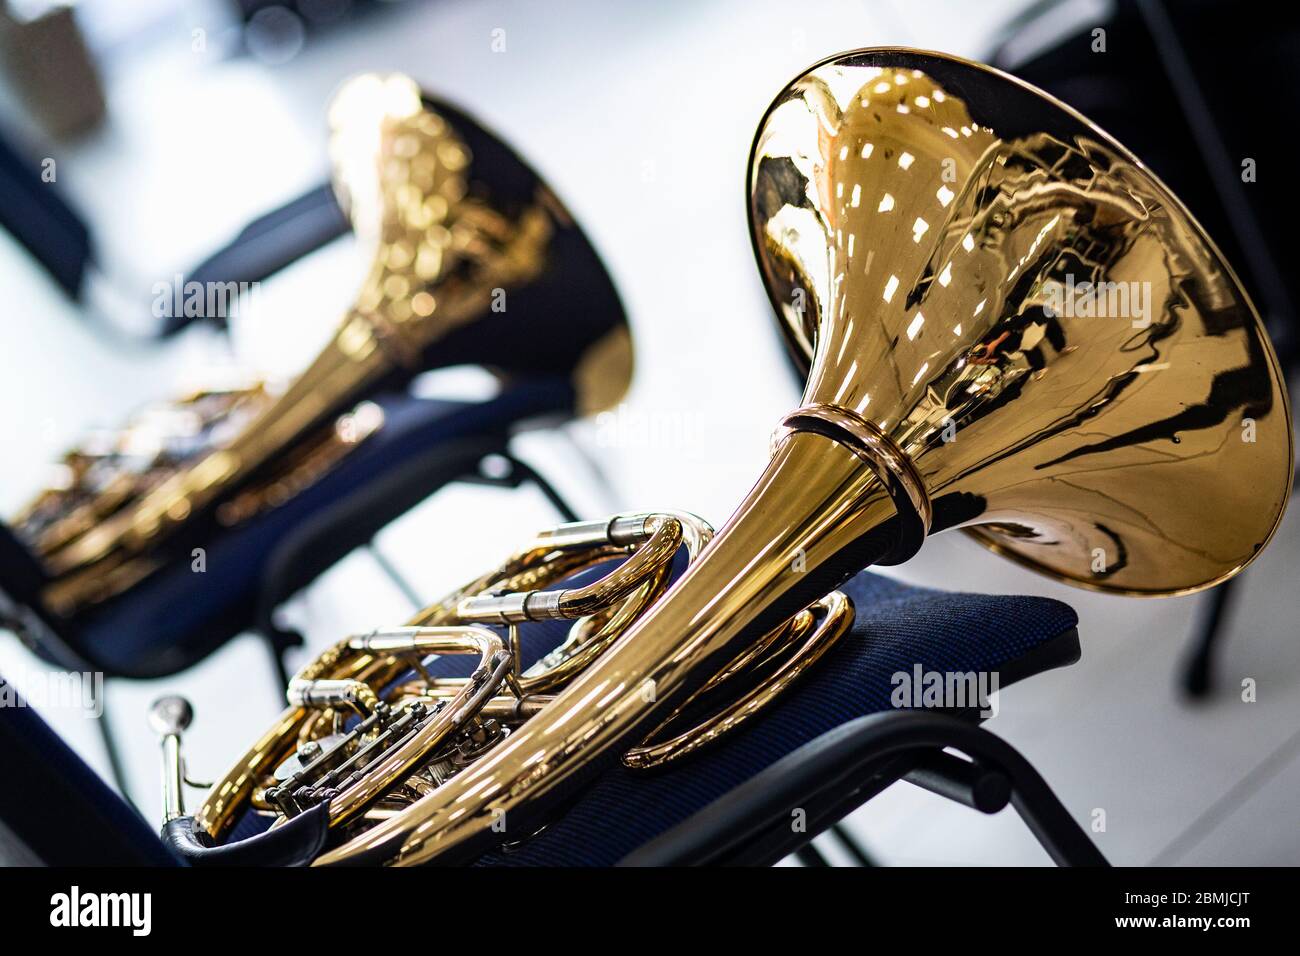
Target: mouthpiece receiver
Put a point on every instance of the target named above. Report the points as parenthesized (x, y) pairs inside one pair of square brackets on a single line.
[(169, 717)]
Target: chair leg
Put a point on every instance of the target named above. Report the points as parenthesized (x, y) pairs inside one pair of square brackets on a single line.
[(111, 750), (1058, 832), (1198, 671), (831, 776), (526, 472), (851, 845), (604, 487), (277, 641), (507, 471), (398, 579), (277, 649), (809, 855), (997, 773)]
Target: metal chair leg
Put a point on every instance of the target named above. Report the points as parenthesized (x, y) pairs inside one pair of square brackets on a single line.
[(526, 472), (607, 493), (398, 579), (809, 855), (109, 740), (277, 649), (851, 845), (1198, 671), (834, 774)]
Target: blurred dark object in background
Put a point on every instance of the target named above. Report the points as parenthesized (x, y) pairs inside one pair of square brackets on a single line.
[(32, 208), (275, 30), (56, 54), (58, 57), (34, 211), (50, 66), (1197, 88)]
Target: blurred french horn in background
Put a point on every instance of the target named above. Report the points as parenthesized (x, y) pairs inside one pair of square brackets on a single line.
[(450, 221), (1009, 326)]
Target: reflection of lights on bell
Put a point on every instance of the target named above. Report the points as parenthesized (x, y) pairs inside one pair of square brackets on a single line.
[(1024, 210), (890, 287)]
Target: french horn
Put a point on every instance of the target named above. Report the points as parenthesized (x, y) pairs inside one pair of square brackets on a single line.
[(937, 239), (369, 730), (472, 260)]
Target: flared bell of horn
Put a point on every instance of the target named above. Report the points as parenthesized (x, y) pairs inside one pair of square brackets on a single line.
[(444, 207), (978, 277)]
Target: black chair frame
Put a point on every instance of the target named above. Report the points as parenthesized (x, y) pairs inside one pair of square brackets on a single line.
[(838, 772)]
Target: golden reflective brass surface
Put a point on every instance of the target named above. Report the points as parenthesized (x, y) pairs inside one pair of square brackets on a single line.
[(912, 214), (443, 245), (415, 736), (1027, 314), (785, 652), (816, 503)]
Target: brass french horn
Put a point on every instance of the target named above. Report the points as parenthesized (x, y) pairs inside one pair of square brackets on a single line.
[(369, 730), (1010, 326), (472, 260)]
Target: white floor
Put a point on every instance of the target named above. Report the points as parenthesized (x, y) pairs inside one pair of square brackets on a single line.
[(641, 116)]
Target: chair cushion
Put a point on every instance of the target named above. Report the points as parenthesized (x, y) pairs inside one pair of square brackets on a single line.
[(897, 627), (176, 616)]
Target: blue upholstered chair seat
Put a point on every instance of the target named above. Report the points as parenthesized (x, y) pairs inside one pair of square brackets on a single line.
[(176, 615), (896, 628)]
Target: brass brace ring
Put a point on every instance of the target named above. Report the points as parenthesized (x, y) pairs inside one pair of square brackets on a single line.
[(879, 452)]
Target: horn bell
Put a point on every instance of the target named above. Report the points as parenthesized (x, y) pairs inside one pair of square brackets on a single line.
[(978, 277)]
